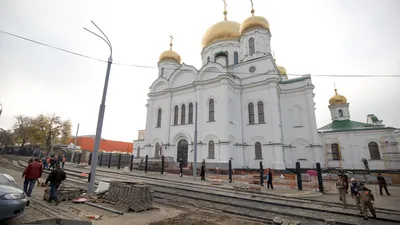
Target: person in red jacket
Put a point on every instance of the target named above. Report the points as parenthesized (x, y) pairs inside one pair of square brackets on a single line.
[(32, 173)]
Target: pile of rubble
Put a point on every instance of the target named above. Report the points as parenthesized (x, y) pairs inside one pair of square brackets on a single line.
[(135, 196)]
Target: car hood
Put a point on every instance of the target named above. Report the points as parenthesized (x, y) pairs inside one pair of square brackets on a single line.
[(4, 189)]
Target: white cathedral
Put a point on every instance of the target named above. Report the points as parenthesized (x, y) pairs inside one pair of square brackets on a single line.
[(249, 111)]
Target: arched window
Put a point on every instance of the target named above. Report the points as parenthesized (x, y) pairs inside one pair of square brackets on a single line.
[(252, 48), (211, 152), (208, 59), (340, 113), (138, 152), (211, 110), (251, 113), (183, 114), (159, 118), (235, 58), (190, 113), (162, 71), (374, 151), (335, 151), (156, 150), (260, 108), (176, 111), (258, 151)]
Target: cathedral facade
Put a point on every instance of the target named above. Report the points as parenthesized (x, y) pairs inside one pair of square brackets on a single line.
[(247, 109)]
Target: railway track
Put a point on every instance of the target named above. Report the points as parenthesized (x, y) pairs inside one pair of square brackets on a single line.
[(259, 206), (253, 194)]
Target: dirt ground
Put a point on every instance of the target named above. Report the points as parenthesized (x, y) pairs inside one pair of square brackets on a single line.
[(164, 214), (205, 218)]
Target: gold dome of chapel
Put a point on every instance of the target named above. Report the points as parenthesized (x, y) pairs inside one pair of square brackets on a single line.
[(224, 30), (170, 54), (282, 70), (253, 22), (337, 99)]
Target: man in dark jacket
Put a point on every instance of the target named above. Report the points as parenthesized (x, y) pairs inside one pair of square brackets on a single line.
[(55, 178), (269, 179), (31, 173), (203, 170), (382, 184)]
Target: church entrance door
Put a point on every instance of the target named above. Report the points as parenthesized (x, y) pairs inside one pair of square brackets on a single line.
[(182, 151)]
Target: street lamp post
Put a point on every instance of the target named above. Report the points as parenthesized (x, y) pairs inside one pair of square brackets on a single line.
[(101, 114)]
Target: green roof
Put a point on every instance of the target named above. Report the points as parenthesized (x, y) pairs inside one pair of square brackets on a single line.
[(293, 80), (349, 125)]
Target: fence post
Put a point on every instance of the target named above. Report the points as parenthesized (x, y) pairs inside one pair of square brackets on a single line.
[(119, 161), (162, 165), (319, 174), (90, 159), (298, 172), (145, 164), (79, 158), (131, 165), (261, 174), (109, 159), (230, 171), (101, 159)]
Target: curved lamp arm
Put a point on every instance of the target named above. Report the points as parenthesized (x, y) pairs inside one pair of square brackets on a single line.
[(1, 109), (106, 40)]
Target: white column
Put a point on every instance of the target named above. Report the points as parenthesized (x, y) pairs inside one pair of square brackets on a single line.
[(274, 123), (200, 121)]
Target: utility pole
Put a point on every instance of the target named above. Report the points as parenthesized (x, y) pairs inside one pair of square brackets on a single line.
[(195, 145), (76, 137), (101, 114)]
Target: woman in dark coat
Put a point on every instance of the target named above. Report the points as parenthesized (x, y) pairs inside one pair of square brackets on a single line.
[(203, 170)]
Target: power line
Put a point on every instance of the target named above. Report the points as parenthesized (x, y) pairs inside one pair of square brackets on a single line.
[(234, 73)]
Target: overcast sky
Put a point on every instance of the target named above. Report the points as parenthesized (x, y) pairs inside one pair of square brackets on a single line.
[(337, 37)]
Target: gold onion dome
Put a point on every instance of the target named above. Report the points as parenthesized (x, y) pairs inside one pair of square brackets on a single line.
[(253, 22), (337, 99), (224, 30), (282, 70), (170, 55)]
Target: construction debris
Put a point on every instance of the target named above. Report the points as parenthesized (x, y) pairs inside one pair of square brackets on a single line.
[(135, 196), (64, 193)]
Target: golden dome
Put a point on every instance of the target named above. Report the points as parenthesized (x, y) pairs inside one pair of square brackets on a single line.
[(253, 22), (337, 99), (282, 70), (171, 55), (224, 30)]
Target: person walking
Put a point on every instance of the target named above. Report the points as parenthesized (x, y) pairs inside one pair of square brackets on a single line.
[(64, 159), (31, 173), (355, 193), (181, 168), (367, 199), (269, 179), (203, 170), (382, 184), (341, 186), (56, 177)]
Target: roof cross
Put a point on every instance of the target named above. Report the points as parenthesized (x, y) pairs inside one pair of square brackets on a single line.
[(170, 43)]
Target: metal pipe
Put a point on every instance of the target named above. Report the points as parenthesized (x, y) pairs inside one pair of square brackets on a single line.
[(105, 208)]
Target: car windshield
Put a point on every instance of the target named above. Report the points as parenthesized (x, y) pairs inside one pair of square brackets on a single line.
[(6, 180)]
